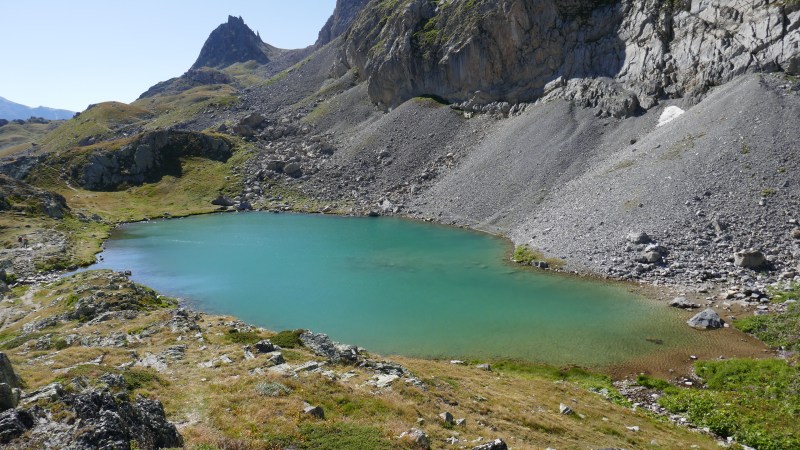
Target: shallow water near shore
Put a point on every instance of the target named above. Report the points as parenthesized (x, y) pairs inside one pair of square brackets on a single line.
[(394, 286)]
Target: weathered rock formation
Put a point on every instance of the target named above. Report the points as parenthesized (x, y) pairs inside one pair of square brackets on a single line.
[(17, 195), (620, 55), (231, 43), (146, 159), (343, 16)]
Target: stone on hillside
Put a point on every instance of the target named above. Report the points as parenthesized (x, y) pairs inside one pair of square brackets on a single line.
[(313, 411), (461, 422), (416, 438), (221, 200), (796, 233), (275, 359), (653, 254), (50, 392), (14, 423), (683, 303), (293, 169), (8, 398), (497, 444), (265, 346), (750, 259), (565, 410), (638, 238), (447, 418), (322, 345), (7, 374), (706, 319), (382, 381), (485, 367)]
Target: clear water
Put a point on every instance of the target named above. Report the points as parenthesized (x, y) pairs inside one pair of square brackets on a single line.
[(392, 286)]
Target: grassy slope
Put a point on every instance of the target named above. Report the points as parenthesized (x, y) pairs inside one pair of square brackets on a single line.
[(221, 407), (101, 121), (15, 138)]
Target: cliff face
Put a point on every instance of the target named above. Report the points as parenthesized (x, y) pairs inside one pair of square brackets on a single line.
[(343, 16), (231, 43), (476, 52)]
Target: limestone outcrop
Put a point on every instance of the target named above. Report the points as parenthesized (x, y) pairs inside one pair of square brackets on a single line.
[(620, 55), (146, 159)]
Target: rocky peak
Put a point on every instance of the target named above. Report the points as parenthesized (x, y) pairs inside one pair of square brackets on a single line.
[(230, 43), (343, 16)]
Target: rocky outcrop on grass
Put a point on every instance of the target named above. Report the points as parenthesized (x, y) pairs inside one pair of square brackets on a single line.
[(146, 159), (19, 196)]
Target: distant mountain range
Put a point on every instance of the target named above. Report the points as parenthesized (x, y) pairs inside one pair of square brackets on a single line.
[(10, 111)]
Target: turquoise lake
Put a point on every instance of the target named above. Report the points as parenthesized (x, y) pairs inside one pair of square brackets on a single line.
[(392, 286)]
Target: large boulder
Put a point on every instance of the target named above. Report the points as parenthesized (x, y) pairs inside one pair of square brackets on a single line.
[(7, 374), (706, 319), (13, 424), (322, 345), (750, 259)]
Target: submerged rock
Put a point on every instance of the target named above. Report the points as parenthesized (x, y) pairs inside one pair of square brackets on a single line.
[(683, 303), (706, 319)]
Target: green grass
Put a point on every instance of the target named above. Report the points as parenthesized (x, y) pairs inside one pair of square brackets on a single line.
[(524, 254), (243, 338), (754, 401), (652, 383), (589, 380), (776, 330), (287, 339), (100, 121), (343, 436), (780, 295)]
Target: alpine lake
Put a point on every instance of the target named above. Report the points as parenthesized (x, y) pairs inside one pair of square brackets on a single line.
[(400, 287)]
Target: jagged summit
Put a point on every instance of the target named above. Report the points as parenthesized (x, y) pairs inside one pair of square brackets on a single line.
[(231, 43)]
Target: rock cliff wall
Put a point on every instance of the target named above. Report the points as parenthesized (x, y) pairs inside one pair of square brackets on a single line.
[(622, 55), (146, 159)]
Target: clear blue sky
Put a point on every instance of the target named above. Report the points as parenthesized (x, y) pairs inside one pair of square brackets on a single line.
[(71, 53)]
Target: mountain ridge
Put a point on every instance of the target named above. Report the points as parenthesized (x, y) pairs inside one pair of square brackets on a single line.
[(10, 110)]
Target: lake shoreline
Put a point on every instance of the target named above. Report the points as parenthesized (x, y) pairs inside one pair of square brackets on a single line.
[(677, 362)]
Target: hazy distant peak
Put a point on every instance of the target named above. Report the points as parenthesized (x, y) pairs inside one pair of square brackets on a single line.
[(11, 110)]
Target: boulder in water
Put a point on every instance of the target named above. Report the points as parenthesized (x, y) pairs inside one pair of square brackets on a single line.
[(706, 319)]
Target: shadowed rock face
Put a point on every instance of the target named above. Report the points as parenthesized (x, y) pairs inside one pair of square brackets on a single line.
[(231, 43), (514, 51)]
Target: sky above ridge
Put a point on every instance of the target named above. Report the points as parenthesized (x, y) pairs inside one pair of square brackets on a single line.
[(69, 54)]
